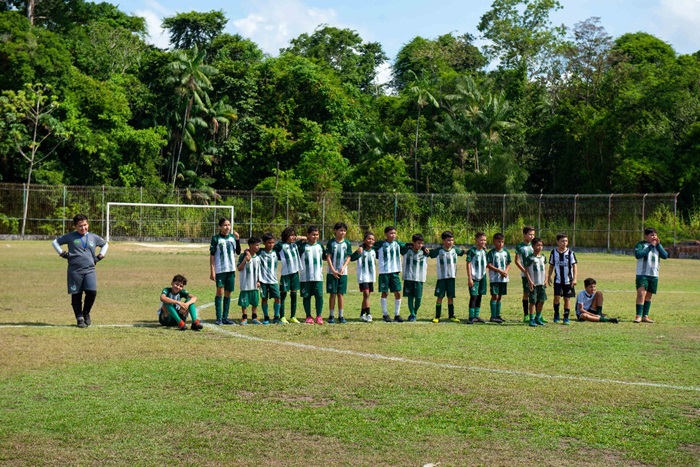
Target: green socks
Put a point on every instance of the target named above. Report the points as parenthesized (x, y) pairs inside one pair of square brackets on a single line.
[(645, 309), (217, 304)]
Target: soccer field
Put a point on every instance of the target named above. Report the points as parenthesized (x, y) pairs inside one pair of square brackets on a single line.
[(127, 391)]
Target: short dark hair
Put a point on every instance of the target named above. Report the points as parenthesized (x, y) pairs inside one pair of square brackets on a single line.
[(561, 235), (222, 220), (499, 236), (311, 229), (253, 240), (389, 228), (180, 279), (78, 218), (479, 235), (527, 229), (649, 230), (589, 281), (267, 236), (417, 238), (287, 233), (367, 234), (537, 240), (340, 225), (447, 234)]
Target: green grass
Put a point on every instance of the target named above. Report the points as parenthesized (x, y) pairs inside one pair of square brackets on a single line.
[(485, 394)]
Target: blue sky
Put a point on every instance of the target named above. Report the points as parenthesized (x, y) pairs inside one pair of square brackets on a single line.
[(272, 23)]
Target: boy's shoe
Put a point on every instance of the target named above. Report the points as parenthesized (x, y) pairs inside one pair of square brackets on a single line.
[(244, 322), (228, 321), (331, 320), (411, 318), (183, 326), (540, 321), (386, 319), (275, 321), (614, 320), (398, 319), (526, 319), (454, 319), (646, 319), (368, 318), (294, 320), (196, 326), (319, 319), (309, 320), (555, 320), (436, 320), (496, 319), (256, 321), (342, 320), (533, 323), (80, 322), (566, 322), (88, 321), (478, 320), (637, 319), (543, 320), (218, 322), (266, 321), (283, 320), (363, 317)]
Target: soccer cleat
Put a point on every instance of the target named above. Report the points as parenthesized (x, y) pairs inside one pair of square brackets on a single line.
[(218, 322), (81, 322), (309, 320), (294, 320), (496, 319), (255, 321), (566, 322), (368, 318), (646, 319), (196, 326), (88, 321), (319, 319), (412, 318), (183, 326), (526, 319), (436, 320), (341, 320), (478, 320), (533, 323), (544, 321), (386, 319), (283, 320), (454, 319), (555, 320), (228, 321), (637, 319), (540, 321), (266, 321), (398, 319), (614, 320), (331, 320), (244, 322)]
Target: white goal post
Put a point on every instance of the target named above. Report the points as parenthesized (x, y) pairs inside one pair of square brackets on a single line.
[(158, 222)]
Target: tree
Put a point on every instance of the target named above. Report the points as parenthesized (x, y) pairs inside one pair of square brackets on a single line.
[(27, 115), (423, 98), (194, 29)]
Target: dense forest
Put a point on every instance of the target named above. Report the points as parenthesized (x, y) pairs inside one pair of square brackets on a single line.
[(541, 109)]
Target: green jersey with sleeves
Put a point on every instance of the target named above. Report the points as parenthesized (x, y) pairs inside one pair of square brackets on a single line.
[(389, 256), (249, 276), (415, 265), (183, 294), (446, 261), (500, 260), (312, 258), (338, 252), (224, 249), (268, 266), (288, 253), (477, 262), (648, 257), (523, 250), (366, 270), (536, 267)]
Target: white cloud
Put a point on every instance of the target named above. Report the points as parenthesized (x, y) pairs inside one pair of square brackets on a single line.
[(275, 22), (679, 24), (154, 14)]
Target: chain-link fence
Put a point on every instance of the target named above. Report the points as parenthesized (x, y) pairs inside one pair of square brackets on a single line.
[(592, 221)]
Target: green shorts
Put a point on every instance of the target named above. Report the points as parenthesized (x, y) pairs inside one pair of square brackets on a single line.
[(289, 282), (390, 282), (445, 286), (339, 285), (413, 289), (650, 283), (312, 289), (479, 288), (248, 298), (269, 290), (538, 294), (499, 288), (227, 280), (526, 285)]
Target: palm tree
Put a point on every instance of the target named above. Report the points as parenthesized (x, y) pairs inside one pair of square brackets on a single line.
[(423, 98)]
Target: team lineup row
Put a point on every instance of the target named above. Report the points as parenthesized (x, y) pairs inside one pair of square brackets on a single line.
[(302, 261)]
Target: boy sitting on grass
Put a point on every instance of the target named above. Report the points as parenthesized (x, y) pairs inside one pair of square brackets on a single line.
[(177, 303), (589, 304)]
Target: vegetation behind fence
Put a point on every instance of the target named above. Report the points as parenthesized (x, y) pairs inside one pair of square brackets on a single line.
[(594, 221)]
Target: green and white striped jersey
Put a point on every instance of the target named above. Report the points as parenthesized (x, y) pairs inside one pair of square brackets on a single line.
[(648, 257), (415, 265), (249, 276), (338, 252), (168, 292), (477, 262), (312, 258), (224, 250), (288, 253), (366, 269), (389, 256), (536, 267), (268, 266), (446, 261), (524, 250), (500, 260)]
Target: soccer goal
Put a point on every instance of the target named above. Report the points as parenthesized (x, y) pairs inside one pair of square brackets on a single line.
[(159, 222)]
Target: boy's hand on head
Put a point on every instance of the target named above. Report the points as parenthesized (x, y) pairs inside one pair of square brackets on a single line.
[(235, 234)]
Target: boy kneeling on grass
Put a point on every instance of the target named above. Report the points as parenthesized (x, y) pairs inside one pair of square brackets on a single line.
[(177, 303), (589, 304)]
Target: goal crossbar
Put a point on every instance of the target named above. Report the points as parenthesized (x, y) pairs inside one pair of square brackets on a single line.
[(228, 210)]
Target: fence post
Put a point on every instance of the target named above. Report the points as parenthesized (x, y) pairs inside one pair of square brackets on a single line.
[(102, 231), (573, 239), (539, 216), (63, 221), (359, 210), (644, 198), (609, 218), (675, 214), (287, 215), (430, 219), (503, 220), (323, 216), (250, 228), (396, 200)]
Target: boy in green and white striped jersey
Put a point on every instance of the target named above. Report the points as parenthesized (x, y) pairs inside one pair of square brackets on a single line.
[(415, 272), (312, 256), (498, 264), (249, 268), (366, 272), (535, 269), (648, 252), (389, 261), (338, 251), (288, 254), (222, 268), (446, 274), (476, 274), (269, 286)]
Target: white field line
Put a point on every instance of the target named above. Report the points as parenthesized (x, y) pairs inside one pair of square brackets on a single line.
[(411, 361)]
